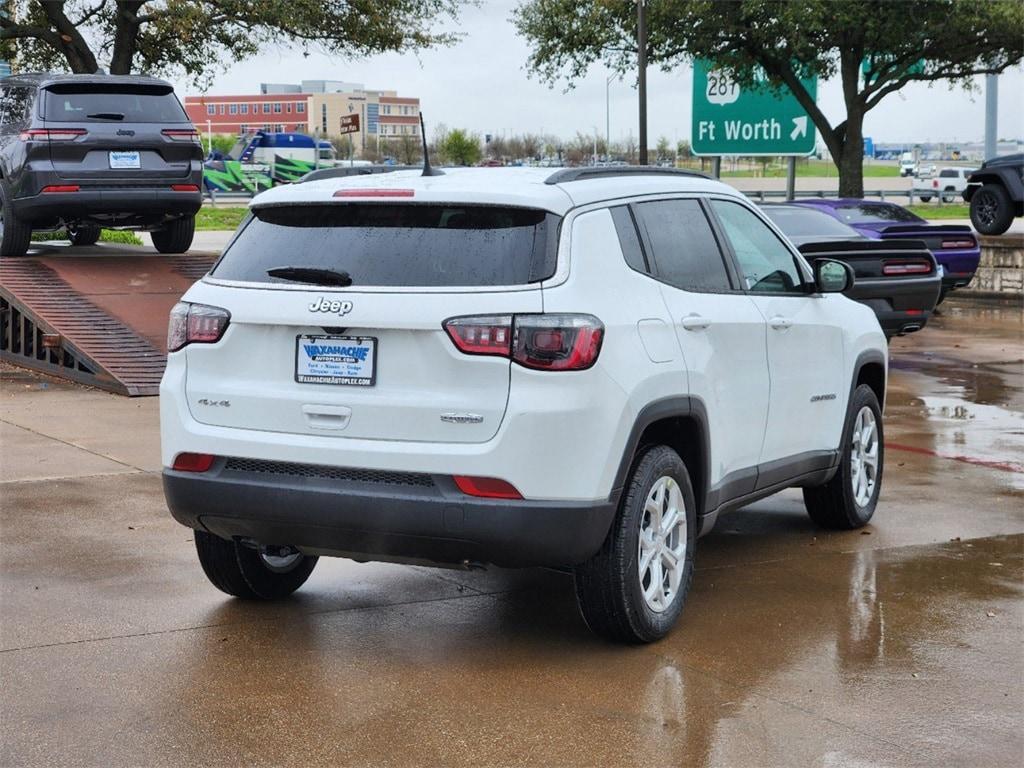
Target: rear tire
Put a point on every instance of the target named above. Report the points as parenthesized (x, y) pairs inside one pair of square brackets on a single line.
[(244, 572), (656, 521), (15, 234), (175, 237), (86, 235), (848, 500), (991, 209), (926, 198)]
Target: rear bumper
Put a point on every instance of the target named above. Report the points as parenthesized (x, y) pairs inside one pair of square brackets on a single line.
[(109, 205), (373, 519), (951, 280), (901, 305)]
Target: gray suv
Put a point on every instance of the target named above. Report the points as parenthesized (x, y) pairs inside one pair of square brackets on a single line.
[(89, 151)]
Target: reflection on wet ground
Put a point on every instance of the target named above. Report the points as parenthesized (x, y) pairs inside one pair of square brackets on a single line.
[(898, 645)]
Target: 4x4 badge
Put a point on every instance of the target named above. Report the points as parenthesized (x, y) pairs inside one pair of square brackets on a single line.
[(337, 307)]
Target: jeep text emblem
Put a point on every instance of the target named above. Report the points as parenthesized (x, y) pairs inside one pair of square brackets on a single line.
[(125, 132), (337, 307)]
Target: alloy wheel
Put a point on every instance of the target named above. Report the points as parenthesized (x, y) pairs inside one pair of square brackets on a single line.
[(864, 457), (662, 546)]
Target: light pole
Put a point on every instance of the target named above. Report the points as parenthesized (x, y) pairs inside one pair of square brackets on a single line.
[(608, 115), (641, 49)]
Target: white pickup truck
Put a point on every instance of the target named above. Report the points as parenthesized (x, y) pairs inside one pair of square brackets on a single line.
[(947, 184)]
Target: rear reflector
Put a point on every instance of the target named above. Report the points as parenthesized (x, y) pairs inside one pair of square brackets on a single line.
[(920, 267), (52, 134), (375, 193), (193, 462), (965, 243), (184, 188), (486, 487), (61, 188)]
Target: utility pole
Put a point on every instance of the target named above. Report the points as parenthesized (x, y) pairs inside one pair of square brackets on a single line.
[(991, 116), (641, 50)]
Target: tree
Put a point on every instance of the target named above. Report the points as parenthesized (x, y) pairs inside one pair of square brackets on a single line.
[(196, 37), (408, 149), (460, 147), (663, 151), (782, 40)]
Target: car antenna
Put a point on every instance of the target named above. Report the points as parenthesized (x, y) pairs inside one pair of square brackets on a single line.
[(427, 170)]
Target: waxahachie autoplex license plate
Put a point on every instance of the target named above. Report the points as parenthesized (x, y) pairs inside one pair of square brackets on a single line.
[(336, 360)]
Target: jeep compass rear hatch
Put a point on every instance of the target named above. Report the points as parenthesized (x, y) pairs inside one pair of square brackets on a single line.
[(337, 313), (123, 133)]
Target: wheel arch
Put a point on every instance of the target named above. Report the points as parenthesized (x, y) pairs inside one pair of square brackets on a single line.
[(681, 423), (870, 369)]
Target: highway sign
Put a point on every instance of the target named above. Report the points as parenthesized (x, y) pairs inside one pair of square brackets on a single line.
[(730, 119), (349, 124)]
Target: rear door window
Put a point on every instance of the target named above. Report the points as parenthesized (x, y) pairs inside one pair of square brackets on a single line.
[(93, 102), (15, 105), (683, 245), (410, 245)]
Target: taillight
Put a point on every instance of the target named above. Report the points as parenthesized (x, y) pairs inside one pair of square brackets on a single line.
[(935, 183), (52, 134), (193, 462), (965, 243), (542, 342), (486, 487), (915, 267), (195, 324), (482, 335), (181, 134)]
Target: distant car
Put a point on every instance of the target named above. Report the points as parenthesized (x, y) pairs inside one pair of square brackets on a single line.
[(996, 194), (899, 281), (89, 151), (946, 184), (908, 165), (955, 247)]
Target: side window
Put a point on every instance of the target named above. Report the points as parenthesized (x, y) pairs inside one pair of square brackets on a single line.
[(765, 263), (629, 239), (684, 247), (14, 105)]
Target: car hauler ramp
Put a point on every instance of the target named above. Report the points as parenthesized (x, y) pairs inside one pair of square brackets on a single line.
[(98, 318)]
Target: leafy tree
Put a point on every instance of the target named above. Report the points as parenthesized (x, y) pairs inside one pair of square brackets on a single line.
[(683, 149), (196, 37), (782, 40), (460, 147), (663, 150)]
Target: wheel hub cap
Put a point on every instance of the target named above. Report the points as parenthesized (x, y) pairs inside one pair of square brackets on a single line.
[(864, 457), (281, 563), (661, 558)]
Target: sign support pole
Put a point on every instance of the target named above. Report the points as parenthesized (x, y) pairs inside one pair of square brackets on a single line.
[(716, 166), (790, 177)]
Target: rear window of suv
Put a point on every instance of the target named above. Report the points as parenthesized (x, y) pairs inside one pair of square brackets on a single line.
[(408, 245), (95, 103)]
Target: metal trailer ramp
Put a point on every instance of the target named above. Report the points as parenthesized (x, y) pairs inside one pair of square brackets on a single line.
[(99, 318)]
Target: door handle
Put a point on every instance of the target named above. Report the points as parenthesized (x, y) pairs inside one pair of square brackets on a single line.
[(694, 322), (780, 323), (327, 416)]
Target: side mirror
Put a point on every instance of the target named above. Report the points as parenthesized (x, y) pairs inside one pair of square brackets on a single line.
[(831, 276)]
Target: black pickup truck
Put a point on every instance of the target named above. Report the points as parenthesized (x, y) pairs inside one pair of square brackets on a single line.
[(996, 194), (898, 279)]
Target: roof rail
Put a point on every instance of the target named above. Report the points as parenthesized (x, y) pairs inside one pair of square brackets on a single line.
[(603, 172)]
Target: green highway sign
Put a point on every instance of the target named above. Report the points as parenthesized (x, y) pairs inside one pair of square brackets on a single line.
[(730, 119)]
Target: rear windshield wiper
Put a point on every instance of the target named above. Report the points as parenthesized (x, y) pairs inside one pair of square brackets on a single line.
[(312, 275), (106, 116)]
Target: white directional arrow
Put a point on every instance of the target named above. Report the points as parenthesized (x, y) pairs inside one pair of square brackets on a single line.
[(799, 127)]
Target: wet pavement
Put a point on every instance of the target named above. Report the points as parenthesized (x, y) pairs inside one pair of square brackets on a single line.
[(898, 645)]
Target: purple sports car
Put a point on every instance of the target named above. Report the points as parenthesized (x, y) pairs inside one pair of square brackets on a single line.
[(955, 247)]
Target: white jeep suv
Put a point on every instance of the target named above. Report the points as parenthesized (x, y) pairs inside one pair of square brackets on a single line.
[(577, 369)]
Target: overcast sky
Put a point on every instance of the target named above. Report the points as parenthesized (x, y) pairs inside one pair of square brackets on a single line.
[(481, 84)]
